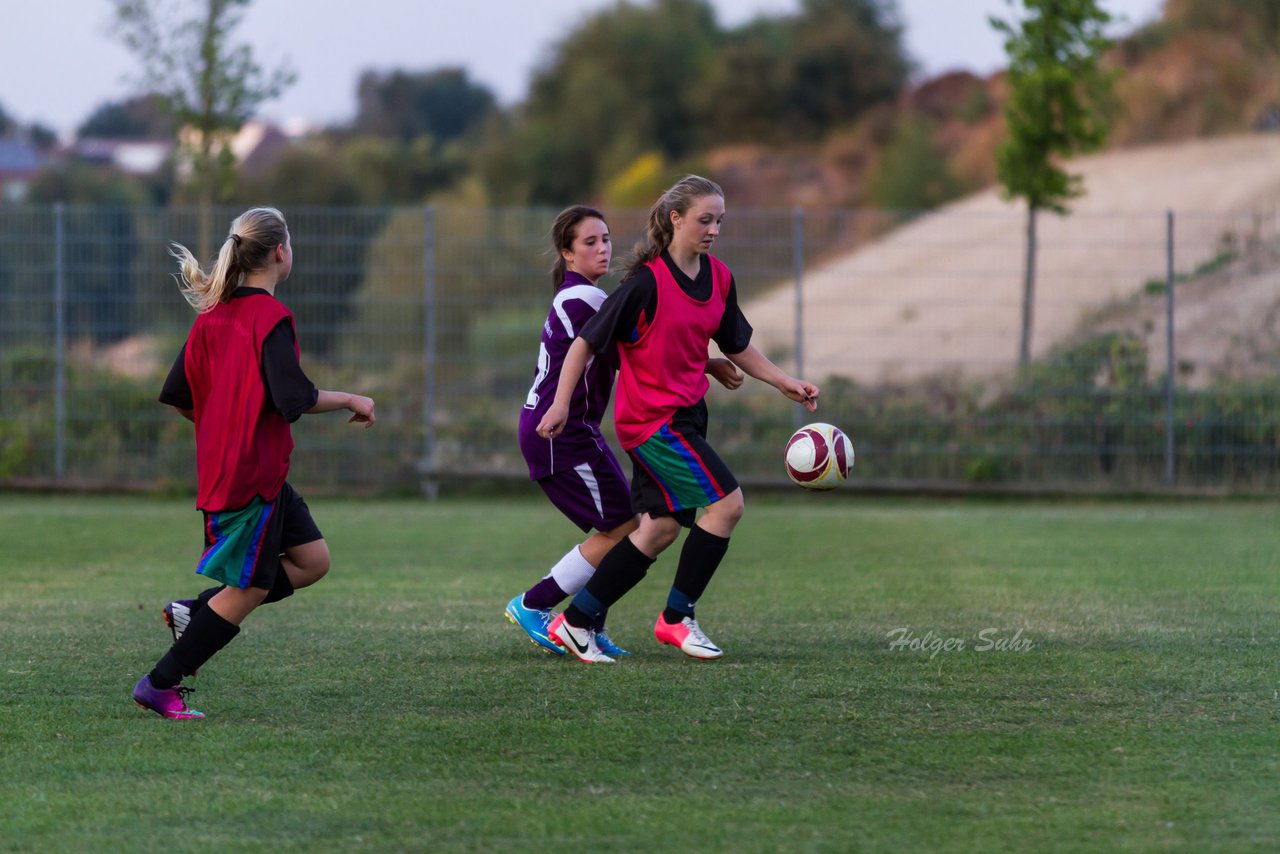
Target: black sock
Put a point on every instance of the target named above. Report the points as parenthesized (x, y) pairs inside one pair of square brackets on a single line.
[(204, 597), (206, 634), (699, 558), (621, 569), (281, 589)]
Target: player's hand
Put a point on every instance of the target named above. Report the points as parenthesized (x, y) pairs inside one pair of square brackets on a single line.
[(726, 373), (363, 409), (552, 424), (802, 392)]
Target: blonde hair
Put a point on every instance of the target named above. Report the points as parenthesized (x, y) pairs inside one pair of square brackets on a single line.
[(658, 230), (253, 236)]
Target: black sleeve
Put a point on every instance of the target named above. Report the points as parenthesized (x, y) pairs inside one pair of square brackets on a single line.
[(734, 333), (621, 311), (290, 390), (176, 391)]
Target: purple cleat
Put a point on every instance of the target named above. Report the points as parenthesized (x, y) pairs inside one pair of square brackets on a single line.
[(165, 702)]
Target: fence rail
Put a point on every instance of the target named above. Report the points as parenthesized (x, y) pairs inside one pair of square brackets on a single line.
[(909, 322)]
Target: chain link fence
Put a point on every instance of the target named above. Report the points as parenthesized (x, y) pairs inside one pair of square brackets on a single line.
[(1155, 339)]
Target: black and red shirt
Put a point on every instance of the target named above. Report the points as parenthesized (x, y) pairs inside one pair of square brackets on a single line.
[(239, 373)]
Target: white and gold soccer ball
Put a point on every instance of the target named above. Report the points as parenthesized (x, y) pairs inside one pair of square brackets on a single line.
[(819, 456)]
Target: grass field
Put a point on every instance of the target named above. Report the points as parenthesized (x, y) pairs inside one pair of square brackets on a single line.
[(1116, 689)]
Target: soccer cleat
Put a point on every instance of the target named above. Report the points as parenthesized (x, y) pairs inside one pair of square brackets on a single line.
[(607, 646), (534, 622), (165, 702), (177, 614), (581, 642), (687, 636)]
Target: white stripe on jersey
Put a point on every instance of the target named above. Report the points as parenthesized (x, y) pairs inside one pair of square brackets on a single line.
[(589, 294)]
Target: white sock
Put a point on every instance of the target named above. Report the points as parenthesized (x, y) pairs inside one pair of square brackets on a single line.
[(572, 572)]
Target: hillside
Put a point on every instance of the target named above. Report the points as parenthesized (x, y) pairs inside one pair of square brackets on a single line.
[(943, 293)]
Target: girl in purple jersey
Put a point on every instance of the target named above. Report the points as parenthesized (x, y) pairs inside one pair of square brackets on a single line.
[(674, 301), (576, 469)]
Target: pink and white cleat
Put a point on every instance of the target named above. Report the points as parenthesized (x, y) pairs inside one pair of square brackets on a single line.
[(687, 636), (580, 642)]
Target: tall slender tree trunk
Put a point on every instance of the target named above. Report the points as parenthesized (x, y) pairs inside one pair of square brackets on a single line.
[(207, 120), (1028, 290)]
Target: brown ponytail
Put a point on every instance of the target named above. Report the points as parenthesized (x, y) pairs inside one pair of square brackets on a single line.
[(563, 233)]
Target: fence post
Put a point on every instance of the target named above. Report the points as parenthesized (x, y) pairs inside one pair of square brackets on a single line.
[(797, 253), (1170, 362), (59, 343), (1028, 290), (430, 486)]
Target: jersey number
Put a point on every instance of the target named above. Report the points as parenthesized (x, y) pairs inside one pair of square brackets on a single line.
[(544, 365)]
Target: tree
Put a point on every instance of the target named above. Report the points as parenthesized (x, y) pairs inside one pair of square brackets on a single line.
[(442, 104), (210, 84), (1059, 99), (846, 56), (912, 173), (143, 117), (620, 85)]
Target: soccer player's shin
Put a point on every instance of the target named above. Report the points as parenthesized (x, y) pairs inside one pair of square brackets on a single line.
[(699, 559)]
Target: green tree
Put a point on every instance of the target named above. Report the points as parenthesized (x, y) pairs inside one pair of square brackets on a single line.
[(210, 84), (1257, 22), (143, 117), (100, 242), (442, 104), (746, 94), (912, 173), (1059, 99), (847, 55), (620, 85)]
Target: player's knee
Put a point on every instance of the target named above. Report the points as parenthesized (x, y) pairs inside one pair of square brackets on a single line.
[(312, 560), (319, 567), (665, 539), (728, 511), (654, 535)]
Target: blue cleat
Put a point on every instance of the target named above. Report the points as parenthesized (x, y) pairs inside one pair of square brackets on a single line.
[(607, 646), (534, 624)]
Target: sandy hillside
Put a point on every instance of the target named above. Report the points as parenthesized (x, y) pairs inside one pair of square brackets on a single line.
[(944, 293)]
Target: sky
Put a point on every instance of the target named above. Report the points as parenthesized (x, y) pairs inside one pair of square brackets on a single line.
[(59, 59)]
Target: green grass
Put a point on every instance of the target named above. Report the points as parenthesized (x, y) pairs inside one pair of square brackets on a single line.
[(391, 707)]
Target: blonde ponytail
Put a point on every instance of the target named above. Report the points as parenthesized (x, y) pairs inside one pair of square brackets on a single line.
[(252, 237)]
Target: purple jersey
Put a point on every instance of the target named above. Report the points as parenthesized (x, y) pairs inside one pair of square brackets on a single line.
[(576, 302)]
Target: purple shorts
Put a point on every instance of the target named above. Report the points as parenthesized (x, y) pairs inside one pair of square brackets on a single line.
[(593, 495)]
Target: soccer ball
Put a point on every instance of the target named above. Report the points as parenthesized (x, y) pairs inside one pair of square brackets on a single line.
[(819, 456)]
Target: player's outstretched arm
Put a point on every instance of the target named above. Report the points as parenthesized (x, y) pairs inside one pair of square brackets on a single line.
[(360, 406), (757, 364), (575, 362)]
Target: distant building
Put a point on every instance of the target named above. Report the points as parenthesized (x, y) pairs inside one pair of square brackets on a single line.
[(256, 147), (20, 162), (130, 156)]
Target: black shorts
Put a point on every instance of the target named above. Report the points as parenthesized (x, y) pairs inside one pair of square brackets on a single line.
[(289, 524), (675, 471)]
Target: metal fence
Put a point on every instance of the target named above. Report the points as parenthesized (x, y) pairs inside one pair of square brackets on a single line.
[(1155, 343)]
